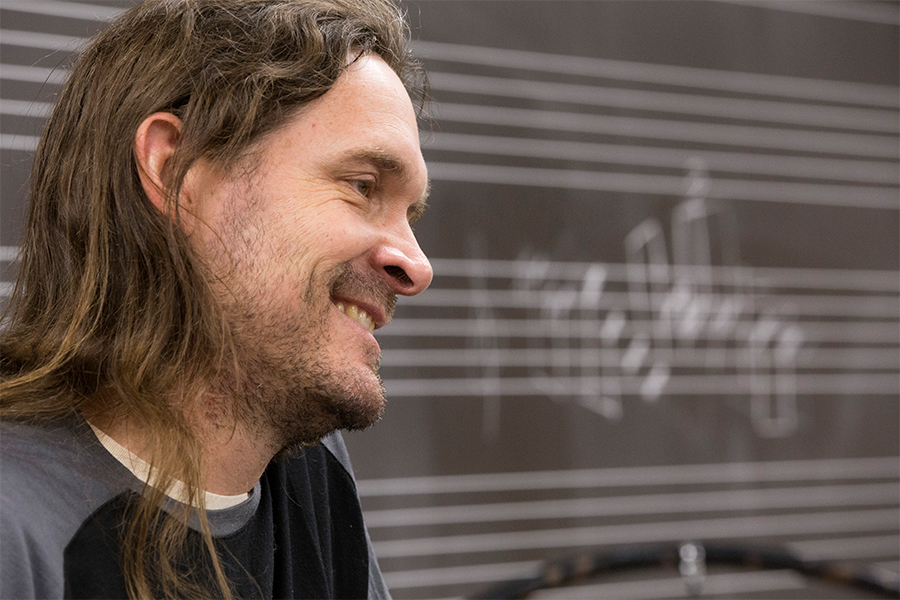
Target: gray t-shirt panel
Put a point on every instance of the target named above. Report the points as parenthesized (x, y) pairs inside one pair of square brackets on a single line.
[(53, 477)]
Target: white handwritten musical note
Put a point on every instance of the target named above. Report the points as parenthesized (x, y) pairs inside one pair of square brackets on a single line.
[(664, 319), (649, 280)]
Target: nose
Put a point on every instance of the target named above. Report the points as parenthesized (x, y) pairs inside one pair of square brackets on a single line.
[(402, 263)]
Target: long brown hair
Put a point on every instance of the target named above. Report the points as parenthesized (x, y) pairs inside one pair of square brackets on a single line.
[(111, 305)]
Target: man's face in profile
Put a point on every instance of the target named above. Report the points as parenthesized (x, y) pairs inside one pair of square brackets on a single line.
[(309, 249)]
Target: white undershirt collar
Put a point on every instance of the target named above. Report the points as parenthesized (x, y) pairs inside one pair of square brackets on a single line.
[(141, 470)]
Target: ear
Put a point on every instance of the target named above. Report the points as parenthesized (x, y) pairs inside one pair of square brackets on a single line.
[(154, 145)]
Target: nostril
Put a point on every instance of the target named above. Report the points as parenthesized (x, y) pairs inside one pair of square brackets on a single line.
[(399, 274)]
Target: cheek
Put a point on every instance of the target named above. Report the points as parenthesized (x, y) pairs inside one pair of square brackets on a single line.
[(293, 250), (286, 247), (321, 240), (294, 265)]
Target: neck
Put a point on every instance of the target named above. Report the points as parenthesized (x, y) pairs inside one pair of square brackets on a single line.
[(232, 460)]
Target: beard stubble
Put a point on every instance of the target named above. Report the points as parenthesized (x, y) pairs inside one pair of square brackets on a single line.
[(281, 384)]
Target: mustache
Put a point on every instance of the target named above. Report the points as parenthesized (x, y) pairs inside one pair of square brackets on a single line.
[(348, 281)]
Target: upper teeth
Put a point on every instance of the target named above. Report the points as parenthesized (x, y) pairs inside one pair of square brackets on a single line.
[(358, 315)]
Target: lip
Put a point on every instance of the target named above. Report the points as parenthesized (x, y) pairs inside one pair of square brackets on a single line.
[(376, 314)]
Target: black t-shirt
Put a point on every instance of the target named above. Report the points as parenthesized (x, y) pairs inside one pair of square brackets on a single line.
[(300, 534)]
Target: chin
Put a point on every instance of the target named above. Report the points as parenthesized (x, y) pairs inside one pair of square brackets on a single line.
[(322, 409), (361, 408), (362, 417), (356, 418)]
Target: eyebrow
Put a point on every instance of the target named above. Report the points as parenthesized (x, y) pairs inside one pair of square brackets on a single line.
[(384, 161)]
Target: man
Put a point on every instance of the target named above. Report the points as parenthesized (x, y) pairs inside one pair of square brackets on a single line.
[(220, 217)]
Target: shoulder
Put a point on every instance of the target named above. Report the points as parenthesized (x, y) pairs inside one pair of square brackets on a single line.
[(62, 457), (312, 469), (334, 444), (52, 477)]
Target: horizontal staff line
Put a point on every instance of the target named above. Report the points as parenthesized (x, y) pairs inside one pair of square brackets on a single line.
[(881, 467), (767, 111), (882, 13), (540, 270), (575, 329), (8, 253), (456, 575), (738, 527), (866, 359), (41, 41), (666, 185), (770, 138), (802, 384), (820, 90), (76, 10), (654, 504), (25, 143), (831, 169), (33, 74), (564, 302), (656, 589), (25, 108)]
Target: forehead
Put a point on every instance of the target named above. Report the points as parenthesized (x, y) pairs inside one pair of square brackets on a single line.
[(366, 116)]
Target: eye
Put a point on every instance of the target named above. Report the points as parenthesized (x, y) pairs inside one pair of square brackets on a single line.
[(364, 186)]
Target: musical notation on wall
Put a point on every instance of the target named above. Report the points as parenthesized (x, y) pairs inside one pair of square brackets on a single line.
[(682, 316)]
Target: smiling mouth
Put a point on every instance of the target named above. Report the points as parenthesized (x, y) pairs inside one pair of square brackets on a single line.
[(357, 314)]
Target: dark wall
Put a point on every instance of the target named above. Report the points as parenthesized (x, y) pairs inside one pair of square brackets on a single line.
[(666, 239)]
